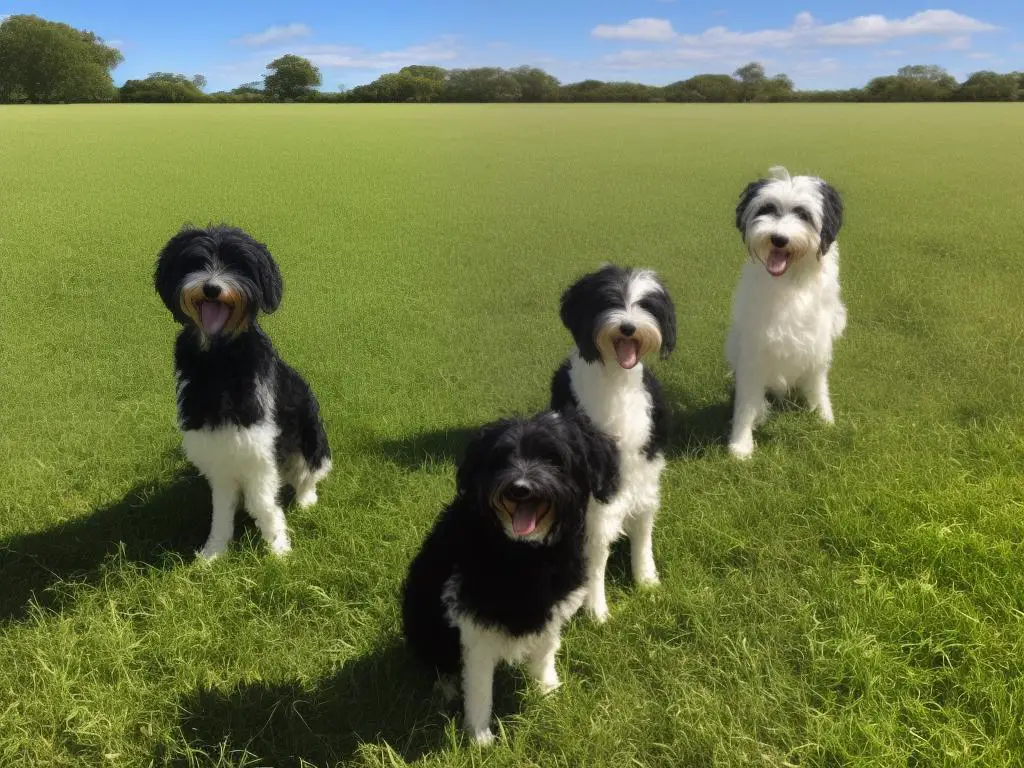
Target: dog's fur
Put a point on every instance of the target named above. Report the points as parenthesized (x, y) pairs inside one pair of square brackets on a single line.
[(498, 576), (606, 312), (249, 422), (786, 311)]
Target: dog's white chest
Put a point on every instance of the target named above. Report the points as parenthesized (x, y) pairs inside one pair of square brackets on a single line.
[(230, 451), (617, 402)]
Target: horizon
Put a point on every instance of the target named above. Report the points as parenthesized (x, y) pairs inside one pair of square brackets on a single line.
[(655, 42)]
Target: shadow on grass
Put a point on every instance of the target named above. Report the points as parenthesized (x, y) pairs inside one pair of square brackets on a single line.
[(696, 430), (427, 448), (151, 523), (382, 697)]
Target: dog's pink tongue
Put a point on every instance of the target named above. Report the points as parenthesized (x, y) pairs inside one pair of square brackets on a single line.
[(778, 261), (214, 316), (626, 351), (524, 522)]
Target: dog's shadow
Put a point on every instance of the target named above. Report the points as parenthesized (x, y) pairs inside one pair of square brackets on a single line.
[(154, 524), (427, 449), (382, 698)]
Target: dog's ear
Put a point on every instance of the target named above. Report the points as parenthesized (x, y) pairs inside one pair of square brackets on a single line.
[(831, 216), (476, 455), (268, 276), (169, 262), (661, 308), (599, 454), (752, 190), (576, 317)]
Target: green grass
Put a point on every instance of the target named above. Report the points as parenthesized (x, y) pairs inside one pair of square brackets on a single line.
[(851, 596)]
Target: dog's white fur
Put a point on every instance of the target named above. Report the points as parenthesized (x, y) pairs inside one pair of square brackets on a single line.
[(619, 405), (240, 462), (783, 327), (484, 647)]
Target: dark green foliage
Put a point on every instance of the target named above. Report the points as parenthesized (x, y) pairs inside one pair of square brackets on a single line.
[(290, 78), (47, 62), (165, 87)]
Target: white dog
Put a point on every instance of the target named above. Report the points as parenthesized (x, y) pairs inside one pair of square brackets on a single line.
[(786, 311)]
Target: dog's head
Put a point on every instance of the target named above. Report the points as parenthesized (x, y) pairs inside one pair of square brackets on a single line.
[(533, 478), (788, 220), (619, 316), (217, 280)]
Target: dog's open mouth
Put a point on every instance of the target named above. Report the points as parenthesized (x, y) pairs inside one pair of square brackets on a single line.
[(778, 261), (213, 316), (627, 351), (526, 514)]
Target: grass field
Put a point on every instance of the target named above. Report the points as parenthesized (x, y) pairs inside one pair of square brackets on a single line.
[(851, 596)]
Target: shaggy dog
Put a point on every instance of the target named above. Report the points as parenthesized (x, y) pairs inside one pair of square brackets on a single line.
[(618, 317), (787, 311), (249, 422), (502, 570)]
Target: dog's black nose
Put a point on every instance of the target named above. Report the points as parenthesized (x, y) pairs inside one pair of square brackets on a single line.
[(517, 493), (211, 290), (779, 241), (628, 329)]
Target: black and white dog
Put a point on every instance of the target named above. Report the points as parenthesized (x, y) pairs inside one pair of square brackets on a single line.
[(503, 570), (249, 422), (786, 312), (618, 316)]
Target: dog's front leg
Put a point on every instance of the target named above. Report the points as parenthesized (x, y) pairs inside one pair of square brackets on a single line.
[(478, 691)]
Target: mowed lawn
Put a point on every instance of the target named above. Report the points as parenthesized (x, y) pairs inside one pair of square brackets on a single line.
[(851, 596)]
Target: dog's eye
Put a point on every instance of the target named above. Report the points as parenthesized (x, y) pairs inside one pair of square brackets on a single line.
[(768, 209), (802, 213)]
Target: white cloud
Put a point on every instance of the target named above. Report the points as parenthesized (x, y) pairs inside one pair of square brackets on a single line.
[(958, 43), (344, 57), (654, 30), (275, 35), (805, 32)]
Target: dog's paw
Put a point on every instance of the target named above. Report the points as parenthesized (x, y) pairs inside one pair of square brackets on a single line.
[(742, 449), (280, 546), (549, 685), (483, 737), (211, 551), (648, 578), (826, 415), (598, 613), (306, 500)]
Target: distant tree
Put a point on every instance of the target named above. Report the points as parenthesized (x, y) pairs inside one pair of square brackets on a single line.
[(199, 81), (535, 84), (44, 61), (439, 74), (290, 78), (711, 88), (931, 72), (162, 87), (750, 73), (482, 84), (777, 88), (988, 86)]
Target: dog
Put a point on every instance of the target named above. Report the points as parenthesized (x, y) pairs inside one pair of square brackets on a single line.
[(249, 422), (786, 312), (617, 317), (502, 570)]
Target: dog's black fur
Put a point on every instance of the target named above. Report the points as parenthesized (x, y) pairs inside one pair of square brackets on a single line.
[(504, 583), (220, 377)]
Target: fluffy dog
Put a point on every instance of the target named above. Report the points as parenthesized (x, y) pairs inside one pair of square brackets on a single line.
[(248, 421), (787, 311), (618, 317), (502, 570)]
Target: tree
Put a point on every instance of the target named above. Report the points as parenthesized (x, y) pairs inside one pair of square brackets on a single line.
[(199, 81), (43, 62), (290, 78), (988, 86), (750, 74), (535, 84), (162, 87), (482, 84)]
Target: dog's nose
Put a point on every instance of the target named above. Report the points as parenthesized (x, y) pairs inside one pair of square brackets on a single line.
[(628, 329), (779, 241), (211, 290), (517, 493)]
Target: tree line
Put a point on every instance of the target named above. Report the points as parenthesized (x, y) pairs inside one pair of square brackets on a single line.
[(48, 62)]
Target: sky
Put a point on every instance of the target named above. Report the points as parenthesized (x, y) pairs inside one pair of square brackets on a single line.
[(818, 44)]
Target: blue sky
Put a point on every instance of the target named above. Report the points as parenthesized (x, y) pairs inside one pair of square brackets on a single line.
[(819, 44)]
